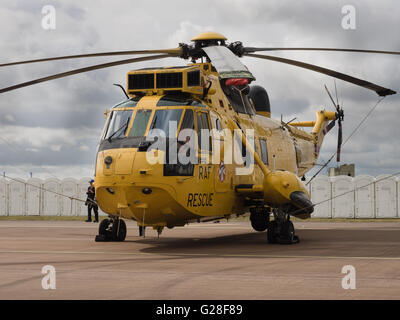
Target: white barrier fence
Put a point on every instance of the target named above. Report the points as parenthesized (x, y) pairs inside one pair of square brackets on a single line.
[(35, 197), (364, 197)]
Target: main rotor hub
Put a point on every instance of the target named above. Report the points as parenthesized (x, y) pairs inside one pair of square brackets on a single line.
[(209, 36), (208, 39), (340, 114)]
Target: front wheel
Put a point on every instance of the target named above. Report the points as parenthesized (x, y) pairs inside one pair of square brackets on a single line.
[(104, 231), (104, 227), (119, 230)]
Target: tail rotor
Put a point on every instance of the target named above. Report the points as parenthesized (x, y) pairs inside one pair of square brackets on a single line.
[(339, 119)]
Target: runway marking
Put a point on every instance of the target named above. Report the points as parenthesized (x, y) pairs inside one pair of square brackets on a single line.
[(199, 255)]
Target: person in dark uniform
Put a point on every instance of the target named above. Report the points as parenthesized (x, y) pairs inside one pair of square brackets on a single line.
[(91, 203)]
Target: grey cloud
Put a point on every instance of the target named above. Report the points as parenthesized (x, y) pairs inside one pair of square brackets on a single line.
[(288, 107)]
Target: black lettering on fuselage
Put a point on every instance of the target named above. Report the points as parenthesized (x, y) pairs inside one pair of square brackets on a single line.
[(200, 200), (190, 199), (195, 199), (205, 172)]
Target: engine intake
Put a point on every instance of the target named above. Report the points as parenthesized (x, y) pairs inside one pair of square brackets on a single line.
[(260, 99)]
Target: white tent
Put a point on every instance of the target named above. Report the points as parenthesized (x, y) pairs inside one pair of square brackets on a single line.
[(398, 196), (33, 196), (385, 197), (321, 191), (69, 187), (3, 197), (51, 200), (364, 196), (17, 198), (343, 197), (83, 185)]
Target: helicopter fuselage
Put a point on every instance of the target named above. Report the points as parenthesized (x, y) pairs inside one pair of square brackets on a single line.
[(159, 195)]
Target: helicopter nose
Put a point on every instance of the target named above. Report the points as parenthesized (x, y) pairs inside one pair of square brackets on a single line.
[(300, 200)]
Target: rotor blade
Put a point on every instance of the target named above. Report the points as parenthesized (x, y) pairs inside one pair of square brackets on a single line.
[(82, 70), (362, 83), (339, 146), (175, 51), (329, 127), (254, 49), (337, 99), (329, 94)]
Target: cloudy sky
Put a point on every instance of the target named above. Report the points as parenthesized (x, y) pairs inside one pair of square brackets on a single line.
[(52, 129)]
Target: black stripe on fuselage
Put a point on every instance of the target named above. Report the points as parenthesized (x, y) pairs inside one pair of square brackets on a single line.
[(127, 142)]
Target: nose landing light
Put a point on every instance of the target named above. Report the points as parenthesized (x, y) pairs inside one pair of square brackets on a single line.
[(108, 160)]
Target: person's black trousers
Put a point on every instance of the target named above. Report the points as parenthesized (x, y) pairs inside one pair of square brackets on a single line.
[(96, 212)]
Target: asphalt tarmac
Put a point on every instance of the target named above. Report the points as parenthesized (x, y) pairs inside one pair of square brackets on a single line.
[(199, 261)]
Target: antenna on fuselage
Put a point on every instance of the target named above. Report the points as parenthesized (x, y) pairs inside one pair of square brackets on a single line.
[(122, 88)]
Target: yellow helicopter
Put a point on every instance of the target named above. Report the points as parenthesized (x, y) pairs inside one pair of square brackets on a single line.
[(197, 143)]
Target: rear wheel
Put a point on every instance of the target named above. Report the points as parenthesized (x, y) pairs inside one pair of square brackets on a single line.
[(271, 233), (259, 218), (286, 235)]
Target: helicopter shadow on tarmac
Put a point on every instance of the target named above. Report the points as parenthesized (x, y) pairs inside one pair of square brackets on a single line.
[(316, 242)]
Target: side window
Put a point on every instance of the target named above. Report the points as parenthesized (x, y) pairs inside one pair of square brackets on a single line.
[(199, 128), (204, 119), (187, 123), (162, 119), (218, 124), (264, 151), (240, 142), (215, 121), (179, 169)]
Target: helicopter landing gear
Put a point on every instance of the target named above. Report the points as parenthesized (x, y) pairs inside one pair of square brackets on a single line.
[(159, 230), (113, 229), (259, 218), (281, 229), (142, 231)]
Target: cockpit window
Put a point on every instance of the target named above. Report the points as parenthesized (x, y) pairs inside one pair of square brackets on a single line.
[(140, 123), (131, 103), (188, 121), (174, 100), (162, 119), (118, 124)]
